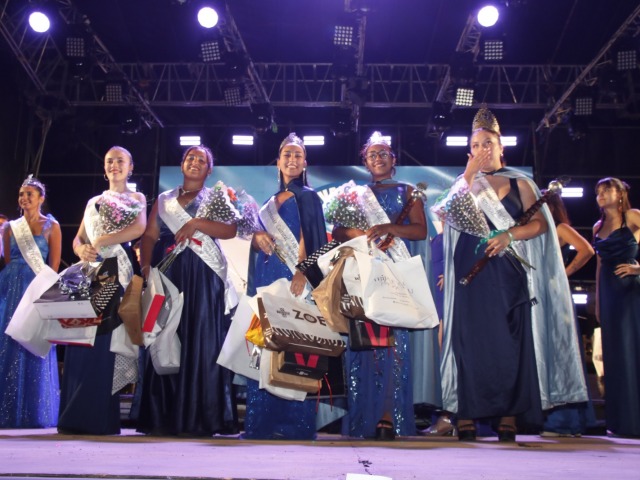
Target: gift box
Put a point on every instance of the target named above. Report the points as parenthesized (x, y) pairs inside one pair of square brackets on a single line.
[(305, 365), (54, 304)]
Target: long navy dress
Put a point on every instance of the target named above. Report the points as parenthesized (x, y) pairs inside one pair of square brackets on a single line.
[(492, 338), (199, 399), (619, 300), (268, 416), (29, 393), (379, 380)]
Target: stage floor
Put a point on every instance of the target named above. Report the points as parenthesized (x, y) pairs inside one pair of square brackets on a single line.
[(43, 453)]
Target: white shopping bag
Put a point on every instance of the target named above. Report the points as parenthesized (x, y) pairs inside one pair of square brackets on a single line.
[(396, 294), (26, 326), (152, 300), (236, 350), (165, 350), (82, 336)]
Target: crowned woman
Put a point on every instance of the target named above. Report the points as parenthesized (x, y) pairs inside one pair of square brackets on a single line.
[(29, 393), (93, 377), (510, 347)]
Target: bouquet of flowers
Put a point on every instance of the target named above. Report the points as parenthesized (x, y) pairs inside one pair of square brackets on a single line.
[(117, 211), (217, 205), (345, 208), (246, 205)]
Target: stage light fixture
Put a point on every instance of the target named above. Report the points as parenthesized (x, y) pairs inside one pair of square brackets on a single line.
[(342, 125), (210, 50), (262, 116), (583, 101), (190, 140), (492, 50), (509, 141), (627, 59), (464, 96), (233, 96), (208, 17), (75, 47), (456, 141), (313, 140), (39, 22), (572, 192), (242, 140), (343, 35), (113, 92), (130, 121), (488, 16)]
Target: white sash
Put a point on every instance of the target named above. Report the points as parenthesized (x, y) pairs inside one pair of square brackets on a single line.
[(376, 216), (209, 251), (92, 227), (286, 242), (27, 245)]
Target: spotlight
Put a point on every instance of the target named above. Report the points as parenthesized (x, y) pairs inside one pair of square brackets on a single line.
[(626, 60), (456, 141), (492, 50), (464, 96), (233, 96), (313, 140), (488, 16), (113, 92), (39, 22), (242, 140), (210, 50), (207, 17), (441, 117), (343, 35), (342, 123), (188, 140), (584, 101), (130, 121), (262, 116)]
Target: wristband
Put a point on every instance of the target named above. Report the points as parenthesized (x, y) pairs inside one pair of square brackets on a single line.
[(511, 239)]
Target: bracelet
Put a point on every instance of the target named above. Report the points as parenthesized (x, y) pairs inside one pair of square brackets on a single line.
[(511, 239)]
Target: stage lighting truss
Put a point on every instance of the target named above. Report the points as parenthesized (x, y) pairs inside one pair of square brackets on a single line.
[(493, 50), (464, 96), (210, 50), (626, 60), (233, 96), (343, 35)]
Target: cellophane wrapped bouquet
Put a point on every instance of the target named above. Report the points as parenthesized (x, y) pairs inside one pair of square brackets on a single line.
[(117, 211), (224, 204), (344, 207)]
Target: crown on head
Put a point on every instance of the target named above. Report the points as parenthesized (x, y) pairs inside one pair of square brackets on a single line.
[(293, 139), (377, 138), (486, 120), (35, 183)]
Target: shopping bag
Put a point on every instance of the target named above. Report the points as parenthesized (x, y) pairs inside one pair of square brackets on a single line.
[(82, 337), (309, 266), (351, 301), (130, 310), (152, 299), (26, 326), (254, 331), (287, 380), (328, 295), (291, 324), (171, 294), (236, 353), (396, 294), (282, 392), (366, 335), (303, 364), (165, 350)]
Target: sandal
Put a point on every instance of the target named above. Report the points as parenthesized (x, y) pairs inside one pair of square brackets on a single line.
[(506, 432), (466, 431), (385, 431), (442, 428)]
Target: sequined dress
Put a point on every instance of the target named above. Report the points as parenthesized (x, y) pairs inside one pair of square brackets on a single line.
[(29, 393), (379, 380), (619, 300)]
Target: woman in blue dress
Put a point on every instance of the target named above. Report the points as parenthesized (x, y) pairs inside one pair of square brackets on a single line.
[(493, 366), (294, 224), (198, 401), (92, 377), (380, 396), (616, 237), (29, 393)]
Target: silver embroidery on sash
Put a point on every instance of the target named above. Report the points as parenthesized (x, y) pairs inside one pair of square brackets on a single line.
[(278, 229), (174, 216), (27, 244)]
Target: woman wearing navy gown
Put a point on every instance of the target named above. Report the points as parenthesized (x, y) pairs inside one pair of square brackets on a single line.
[(510, 346), (29, 392), (93, 376), (294, 224), (198, 401), (616, 237), (380, 396)]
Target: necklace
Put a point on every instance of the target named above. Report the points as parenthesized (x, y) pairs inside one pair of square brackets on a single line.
[(182, 191)]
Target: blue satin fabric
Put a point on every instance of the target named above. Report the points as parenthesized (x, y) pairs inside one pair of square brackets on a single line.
[(267, 416), (492, 336), (620, 319), (29, 388), (199, 399), (379, 381)]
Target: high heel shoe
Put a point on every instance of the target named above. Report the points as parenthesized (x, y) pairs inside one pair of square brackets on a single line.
[(467, 432), (506, 433), (385, 431), (442, 428)]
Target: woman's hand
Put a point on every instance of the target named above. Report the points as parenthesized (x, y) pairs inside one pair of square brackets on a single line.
[(86, 252), (627, 269), (440, 282), (264, 242), (298, 282), (497, 244), (376, 232), (186, 231), (476, 163)]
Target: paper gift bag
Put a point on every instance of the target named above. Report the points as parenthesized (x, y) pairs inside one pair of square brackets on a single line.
[(366, 335), (82, 337), (235, 353), (293, 325), (286, 380), (152, 299), (303, 364), (130, 310), (328, 295), (26, 326), (396, 294), (165, 350), (265, 371)]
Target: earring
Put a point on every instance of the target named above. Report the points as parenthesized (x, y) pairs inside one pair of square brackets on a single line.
[(105, 177), (129, 175), (304, 176)]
